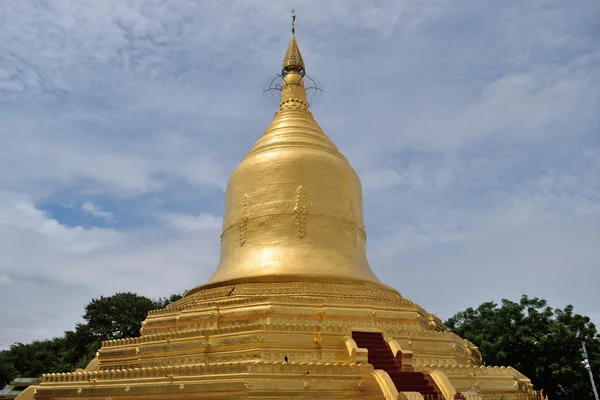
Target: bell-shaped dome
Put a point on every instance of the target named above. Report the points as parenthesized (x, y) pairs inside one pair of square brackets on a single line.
[(293, 206)]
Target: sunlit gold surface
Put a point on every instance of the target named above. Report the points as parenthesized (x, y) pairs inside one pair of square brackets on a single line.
[(292, 58), (293, 206), (275, 321)]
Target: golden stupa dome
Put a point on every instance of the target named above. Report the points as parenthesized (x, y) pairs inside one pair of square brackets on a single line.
[(293, 206), (293, 309)]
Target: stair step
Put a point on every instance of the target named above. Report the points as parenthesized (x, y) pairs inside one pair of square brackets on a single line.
[(404, 375), (367, 334), (410, 383), (371, 343), (420, 381), (411, 388), (375, 345), (381, 357), (413, 373)]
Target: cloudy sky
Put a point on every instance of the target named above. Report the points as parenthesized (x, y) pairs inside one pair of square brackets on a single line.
[(474, 126)]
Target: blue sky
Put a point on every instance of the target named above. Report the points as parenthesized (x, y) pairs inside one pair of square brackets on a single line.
[(474, 126)]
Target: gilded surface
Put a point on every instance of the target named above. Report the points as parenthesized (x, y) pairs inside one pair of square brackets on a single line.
[(294, 199), (292, 58), (275, 321), (300, 211), (243, 224)]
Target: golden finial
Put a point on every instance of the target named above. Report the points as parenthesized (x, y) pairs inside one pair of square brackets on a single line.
[(293, 59)]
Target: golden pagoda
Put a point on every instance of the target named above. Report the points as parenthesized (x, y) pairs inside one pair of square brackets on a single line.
[(293, 310)]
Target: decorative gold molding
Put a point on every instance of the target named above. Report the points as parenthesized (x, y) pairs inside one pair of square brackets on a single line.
[(301, 211), (243, 227), (442, 382), (354, 225), (201, 369), (386, 385)]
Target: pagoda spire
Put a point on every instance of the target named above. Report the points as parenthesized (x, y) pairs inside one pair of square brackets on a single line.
[(293, 59), (293, 93), (293, 205)]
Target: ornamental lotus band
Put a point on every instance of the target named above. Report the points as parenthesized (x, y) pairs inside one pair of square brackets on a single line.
[(293, 309)]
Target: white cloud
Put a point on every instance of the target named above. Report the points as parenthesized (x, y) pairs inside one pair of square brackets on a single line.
[(5, 280), (473, 128), (192, 223), (42, 257), (467, 268), (96, 211)]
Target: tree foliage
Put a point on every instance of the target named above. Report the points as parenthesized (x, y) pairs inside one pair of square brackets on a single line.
[(115, 317), (537, 340)]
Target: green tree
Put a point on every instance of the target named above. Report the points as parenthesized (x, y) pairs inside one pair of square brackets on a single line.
[(119, 316), (538, 341), (80, 346), (163, 302), (7, 369), (115, 317), (37, 357)]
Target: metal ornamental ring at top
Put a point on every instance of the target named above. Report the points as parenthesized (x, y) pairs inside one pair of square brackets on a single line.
[(293, 62)]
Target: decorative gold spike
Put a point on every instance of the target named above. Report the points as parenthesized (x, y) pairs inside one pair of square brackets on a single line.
[(300, 211), (354, 225), (244, 221), (293, 59)]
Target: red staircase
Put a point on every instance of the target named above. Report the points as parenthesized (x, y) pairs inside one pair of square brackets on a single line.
[(381, 357)]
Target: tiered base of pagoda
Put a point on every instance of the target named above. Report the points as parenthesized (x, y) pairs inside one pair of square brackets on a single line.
[(241, 380), (275, 340)]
